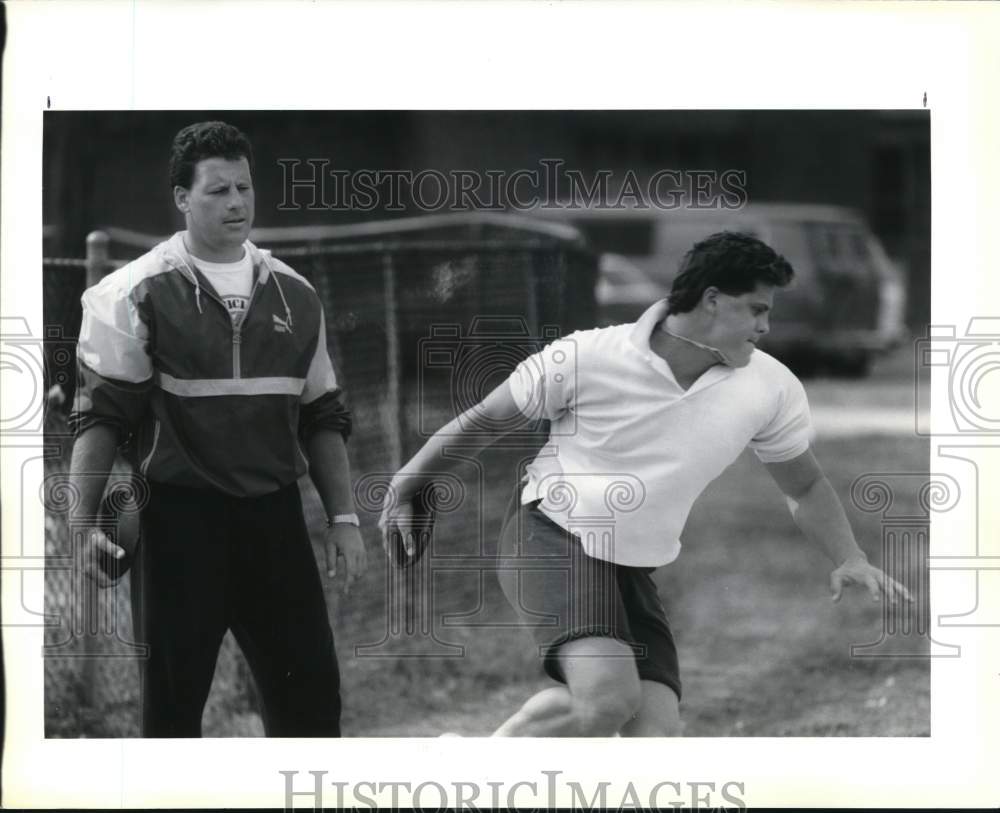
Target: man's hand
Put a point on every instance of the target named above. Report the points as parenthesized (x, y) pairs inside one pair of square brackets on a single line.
[(96, 546), (407, 528), (857, 570), (393, 518), (344, 539)]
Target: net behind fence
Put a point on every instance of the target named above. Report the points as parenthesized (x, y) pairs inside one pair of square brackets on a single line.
[(420, 325)]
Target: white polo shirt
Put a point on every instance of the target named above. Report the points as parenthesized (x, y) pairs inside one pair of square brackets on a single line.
[(629, 450)]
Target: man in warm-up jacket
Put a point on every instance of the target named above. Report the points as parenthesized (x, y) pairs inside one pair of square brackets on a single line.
[(208, 358)]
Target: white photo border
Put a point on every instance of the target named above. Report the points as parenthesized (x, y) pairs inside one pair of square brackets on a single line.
[(419, 55)]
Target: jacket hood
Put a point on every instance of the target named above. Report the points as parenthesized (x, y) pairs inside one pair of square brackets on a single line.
[(175, 254)]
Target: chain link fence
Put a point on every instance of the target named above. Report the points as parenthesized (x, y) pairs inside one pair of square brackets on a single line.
[(424, 316)]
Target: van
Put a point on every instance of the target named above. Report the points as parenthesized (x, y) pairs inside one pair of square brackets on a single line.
[(846, 304)]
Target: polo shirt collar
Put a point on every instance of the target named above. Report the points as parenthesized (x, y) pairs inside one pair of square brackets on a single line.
[(644, 327), (639, 338)]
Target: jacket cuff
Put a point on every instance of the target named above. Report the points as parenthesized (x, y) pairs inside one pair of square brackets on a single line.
[(80, 422), (326, 412)]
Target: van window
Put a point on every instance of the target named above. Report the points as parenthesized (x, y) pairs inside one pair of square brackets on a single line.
[(789, 239), (841, 249), (630, 237)]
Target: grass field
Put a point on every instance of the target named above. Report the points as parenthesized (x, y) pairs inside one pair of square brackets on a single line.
[(763, 650)]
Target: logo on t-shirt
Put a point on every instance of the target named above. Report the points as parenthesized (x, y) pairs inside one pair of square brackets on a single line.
[(237, 306)]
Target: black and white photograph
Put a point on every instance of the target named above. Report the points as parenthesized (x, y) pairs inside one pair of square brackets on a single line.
[(527, 367), (429, 423)]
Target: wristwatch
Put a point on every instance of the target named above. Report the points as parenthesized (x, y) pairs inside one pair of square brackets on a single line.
[(343, 519)]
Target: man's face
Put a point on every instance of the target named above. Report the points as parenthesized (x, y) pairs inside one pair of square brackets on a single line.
[(739, 322), (218, 208)]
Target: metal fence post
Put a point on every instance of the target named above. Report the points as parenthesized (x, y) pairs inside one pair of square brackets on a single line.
[(98, 256), (98, 264)]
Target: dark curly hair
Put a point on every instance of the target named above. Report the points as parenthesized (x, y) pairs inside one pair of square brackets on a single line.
[(733, 262), (205, 139)]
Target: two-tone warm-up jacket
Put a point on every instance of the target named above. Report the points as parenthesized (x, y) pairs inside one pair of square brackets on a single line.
[(209, 404)]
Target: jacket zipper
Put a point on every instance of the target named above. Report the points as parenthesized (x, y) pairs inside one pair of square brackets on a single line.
[(237, 329), (237, 339), (238, 334)]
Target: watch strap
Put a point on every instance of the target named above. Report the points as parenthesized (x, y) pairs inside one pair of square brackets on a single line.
[(343, 519)]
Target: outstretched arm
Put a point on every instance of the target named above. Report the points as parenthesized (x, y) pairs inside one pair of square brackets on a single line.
[(477, 428), (817, 511)]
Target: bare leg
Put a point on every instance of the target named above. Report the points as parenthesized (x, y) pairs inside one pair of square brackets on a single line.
[(601, 694), (658, 715)]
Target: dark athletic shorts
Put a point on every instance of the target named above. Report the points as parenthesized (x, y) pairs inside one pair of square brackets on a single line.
[(561, 594)]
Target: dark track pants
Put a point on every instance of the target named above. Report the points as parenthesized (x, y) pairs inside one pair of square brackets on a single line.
[(209, 562)]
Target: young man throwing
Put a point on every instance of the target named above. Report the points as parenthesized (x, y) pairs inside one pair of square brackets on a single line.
[(209, 356), (643, 417)]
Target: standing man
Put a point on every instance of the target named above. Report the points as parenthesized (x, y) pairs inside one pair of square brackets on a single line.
[(663, 405), (208, 357)]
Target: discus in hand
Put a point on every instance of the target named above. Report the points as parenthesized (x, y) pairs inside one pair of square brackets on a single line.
[(410, 531), (121, 526)]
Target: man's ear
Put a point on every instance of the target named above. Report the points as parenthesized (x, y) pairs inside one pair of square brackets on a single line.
[(182, 199), (710, 299)]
